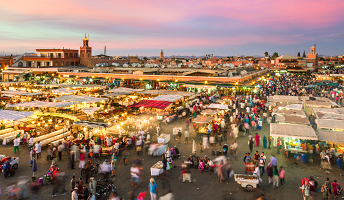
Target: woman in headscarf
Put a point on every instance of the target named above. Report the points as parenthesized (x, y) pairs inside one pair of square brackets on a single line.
[(264, 142)]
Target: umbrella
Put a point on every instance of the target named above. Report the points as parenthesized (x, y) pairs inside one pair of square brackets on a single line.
[(194, 150), (34, 166)]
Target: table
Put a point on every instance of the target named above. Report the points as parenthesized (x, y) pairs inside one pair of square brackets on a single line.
[(156, 169), (164, 138), (157, 149)]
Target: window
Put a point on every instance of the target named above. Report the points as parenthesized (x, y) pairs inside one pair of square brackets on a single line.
[(72, 63), (38, 64), (82, 55), (47, 64), (20, 64), (76, 63), (66, 55), (28, 64), (70, 55), (75, 55), (51, 55), (67, 63), (88, 55), (62, 64), (59, 55), (56, 63)]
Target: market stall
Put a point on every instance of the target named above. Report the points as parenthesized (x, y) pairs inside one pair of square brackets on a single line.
[(217, 106), (157, 168), (330, 124), (295, 137), (247, 181), (201, 124), (164, 138), (335, 141), (209, 112)]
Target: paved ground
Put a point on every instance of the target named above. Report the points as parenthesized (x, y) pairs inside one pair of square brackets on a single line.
[(205, 186)]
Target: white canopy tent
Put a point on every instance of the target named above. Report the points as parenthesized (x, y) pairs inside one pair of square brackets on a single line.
[(278, 97), (63, 91), (19, 93), (168, 92), (11, 115), (330, 124), (331, 136), (124, 90), (300, 113), (293, 131), (41, 104), (80, 99), (170, 98), (90, 111), (217, 106)]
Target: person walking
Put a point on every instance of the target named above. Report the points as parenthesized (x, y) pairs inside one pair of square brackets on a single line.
[(275, 177), (153, 189), (269, 171), (324, 192), (261, 165), (179, 135), (186, 137), (92, 185), (281, 175), (72, 184), (165, 180), (257, 137), (269, 140), (250, 143), (113, 164), (75, 194), (306, 191), (53, 156), (38, 148), (59, 149), (16, 144), (329, 187)]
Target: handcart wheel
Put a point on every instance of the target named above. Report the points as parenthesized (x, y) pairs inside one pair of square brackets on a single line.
[(15, 166), (249, 188)]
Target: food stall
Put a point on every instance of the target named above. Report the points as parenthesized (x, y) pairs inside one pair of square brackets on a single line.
[(201, 124), (164, 138), (209, 112), (296, 138), (157, 168), (247, 181), (335, 141)]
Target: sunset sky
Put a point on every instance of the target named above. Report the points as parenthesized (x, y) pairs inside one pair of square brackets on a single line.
[(179, 27)]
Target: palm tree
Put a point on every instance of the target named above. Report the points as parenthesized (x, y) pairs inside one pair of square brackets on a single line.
[(145, 58), (275, 55), (266, 54)]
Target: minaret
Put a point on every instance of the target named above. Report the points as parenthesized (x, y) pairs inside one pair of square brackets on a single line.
[(161, 54), (86, 53)]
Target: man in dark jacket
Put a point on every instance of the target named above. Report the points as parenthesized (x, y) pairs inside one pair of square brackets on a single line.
[(83, 195), (164, 162)]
